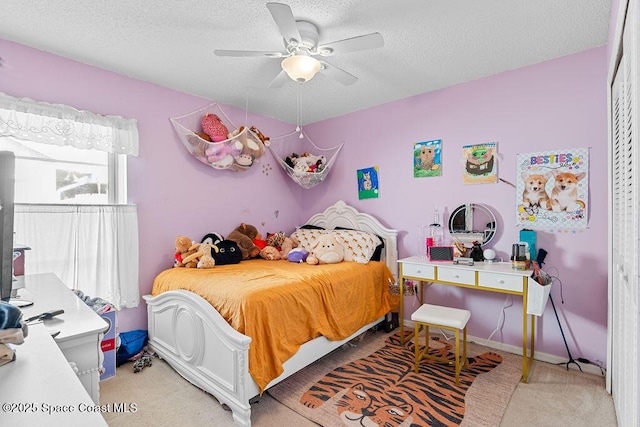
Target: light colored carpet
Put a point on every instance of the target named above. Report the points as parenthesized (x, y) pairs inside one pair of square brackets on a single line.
[(553, 397)]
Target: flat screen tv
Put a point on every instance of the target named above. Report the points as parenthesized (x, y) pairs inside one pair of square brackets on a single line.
[(7, 188)]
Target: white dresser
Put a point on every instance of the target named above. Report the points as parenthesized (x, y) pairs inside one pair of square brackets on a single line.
[(81, 329), (39, 388)]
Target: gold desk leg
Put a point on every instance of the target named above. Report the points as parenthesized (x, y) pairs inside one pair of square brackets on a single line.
[(525, 335)]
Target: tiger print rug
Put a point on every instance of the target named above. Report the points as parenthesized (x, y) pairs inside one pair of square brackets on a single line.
[(373, 383)]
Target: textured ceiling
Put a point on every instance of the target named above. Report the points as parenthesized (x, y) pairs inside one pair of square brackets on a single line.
[(429, 44)]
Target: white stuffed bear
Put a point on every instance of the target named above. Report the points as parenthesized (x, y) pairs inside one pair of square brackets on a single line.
[(326, 250)]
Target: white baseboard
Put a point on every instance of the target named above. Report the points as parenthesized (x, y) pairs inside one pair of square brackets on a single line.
[(542, 357)]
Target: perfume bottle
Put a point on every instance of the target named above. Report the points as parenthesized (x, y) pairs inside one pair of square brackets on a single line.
[(436, 231)]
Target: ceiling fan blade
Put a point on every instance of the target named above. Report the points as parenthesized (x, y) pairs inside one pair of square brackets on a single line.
[(337, 74), (368, 41), (283, 16), (279, 80), (222, 52)]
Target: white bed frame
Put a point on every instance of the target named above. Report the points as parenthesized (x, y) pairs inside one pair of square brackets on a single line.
[(187, 332)]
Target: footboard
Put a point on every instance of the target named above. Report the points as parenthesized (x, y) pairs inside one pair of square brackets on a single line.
[(199, 344)]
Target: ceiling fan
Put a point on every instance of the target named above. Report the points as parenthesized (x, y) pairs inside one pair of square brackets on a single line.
[(301, 48)]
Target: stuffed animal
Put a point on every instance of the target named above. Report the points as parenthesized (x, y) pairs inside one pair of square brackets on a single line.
[(298, 255), (223, 154), (206, 259), (226, 252), (306, 163), (252, 142), (243, 235), (203, 257), (184, 247), (326, 250), (213, 126), (288, 244), (275, 239), (270, 253), (264, 139), (212, 238)]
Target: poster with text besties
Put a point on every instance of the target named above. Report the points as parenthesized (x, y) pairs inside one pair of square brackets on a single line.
[(552, 190)]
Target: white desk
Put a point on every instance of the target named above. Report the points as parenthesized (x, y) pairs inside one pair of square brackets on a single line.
[(81, 329), (490, 277), (39, 388)]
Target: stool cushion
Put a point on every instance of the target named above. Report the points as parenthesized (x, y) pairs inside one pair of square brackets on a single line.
[(443, 316)]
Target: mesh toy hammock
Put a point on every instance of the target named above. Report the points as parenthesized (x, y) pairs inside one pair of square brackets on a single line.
[(305, 163), (237, 153)]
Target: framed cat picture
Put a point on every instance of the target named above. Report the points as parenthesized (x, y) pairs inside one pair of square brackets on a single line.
[(368, 183), (427, 159)]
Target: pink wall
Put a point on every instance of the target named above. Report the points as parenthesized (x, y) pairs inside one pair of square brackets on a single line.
[(175, 193), (556, 104)]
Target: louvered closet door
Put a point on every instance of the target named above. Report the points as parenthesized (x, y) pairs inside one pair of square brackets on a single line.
[(624, 329)]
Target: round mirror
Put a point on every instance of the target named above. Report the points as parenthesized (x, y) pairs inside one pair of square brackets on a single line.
[(472, 222)]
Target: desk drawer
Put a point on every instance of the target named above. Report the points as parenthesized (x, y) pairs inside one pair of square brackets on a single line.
[(420, 271), (505, 282), (457, 275)]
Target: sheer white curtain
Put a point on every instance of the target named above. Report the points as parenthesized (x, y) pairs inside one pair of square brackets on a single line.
[(90, 248)]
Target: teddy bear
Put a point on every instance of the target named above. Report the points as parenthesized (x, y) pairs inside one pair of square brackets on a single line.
[(287, 245), (213, 126), (184, 247), (326, 250), (243, 235), (203, 256)]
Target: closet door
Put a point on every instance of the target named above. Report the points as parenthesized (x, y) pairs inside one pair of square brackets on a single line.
[(624, 329)]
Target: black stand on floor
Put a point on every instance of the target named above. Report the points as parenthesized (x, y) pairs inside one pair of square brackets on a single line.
[(571, 359)]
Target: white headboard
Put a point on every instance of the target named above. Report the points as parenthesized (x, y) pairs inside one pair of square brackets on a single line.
[(343, 215)]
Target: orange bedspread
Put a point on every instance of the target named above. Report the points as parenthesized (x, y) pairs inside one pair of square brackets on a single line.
[(281, 305)]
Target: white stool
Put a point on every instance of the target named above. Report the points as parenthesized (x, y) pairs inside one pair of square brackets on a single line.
[(453, 319)]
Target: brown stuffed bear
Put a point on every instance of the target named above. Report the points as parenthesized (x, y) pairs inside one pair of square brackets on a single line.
[(184, 247), (244, 235)]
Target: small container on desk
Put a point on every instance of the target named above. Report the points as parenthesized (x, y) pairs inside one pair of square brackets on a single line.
[(18, 259)]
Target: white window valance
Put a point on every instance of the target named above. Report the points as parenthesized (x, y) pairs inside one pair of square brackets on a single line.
[(57, 124)]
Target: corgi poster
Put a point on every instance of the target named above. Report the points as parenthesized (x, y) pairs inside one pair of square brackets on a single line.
[(552, 189), (426, 159), (480, 166), (368, 183)]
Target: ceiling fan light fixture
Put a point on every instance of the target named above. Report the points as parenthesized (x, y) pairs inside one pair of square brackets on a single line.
[(301, 68)]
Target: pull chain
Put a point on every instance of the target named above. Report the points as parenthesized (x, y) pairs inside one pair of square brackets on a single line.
[(299, 111)]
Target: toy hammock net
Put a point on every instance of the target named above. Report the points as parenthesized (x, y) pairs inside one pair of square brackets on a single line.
[(304, 162), (231, 148)]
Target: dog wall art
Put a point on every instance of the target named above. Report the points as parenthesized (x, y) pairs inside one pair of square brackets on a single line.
[(552, 189)]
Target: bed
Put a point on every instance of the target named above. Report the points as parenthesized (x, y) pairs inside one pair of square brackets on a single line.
[(201, 344)]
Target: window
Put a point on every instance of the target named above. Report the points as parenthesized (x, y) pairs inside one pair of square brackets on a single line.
[(70, 196), (52, 174)]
